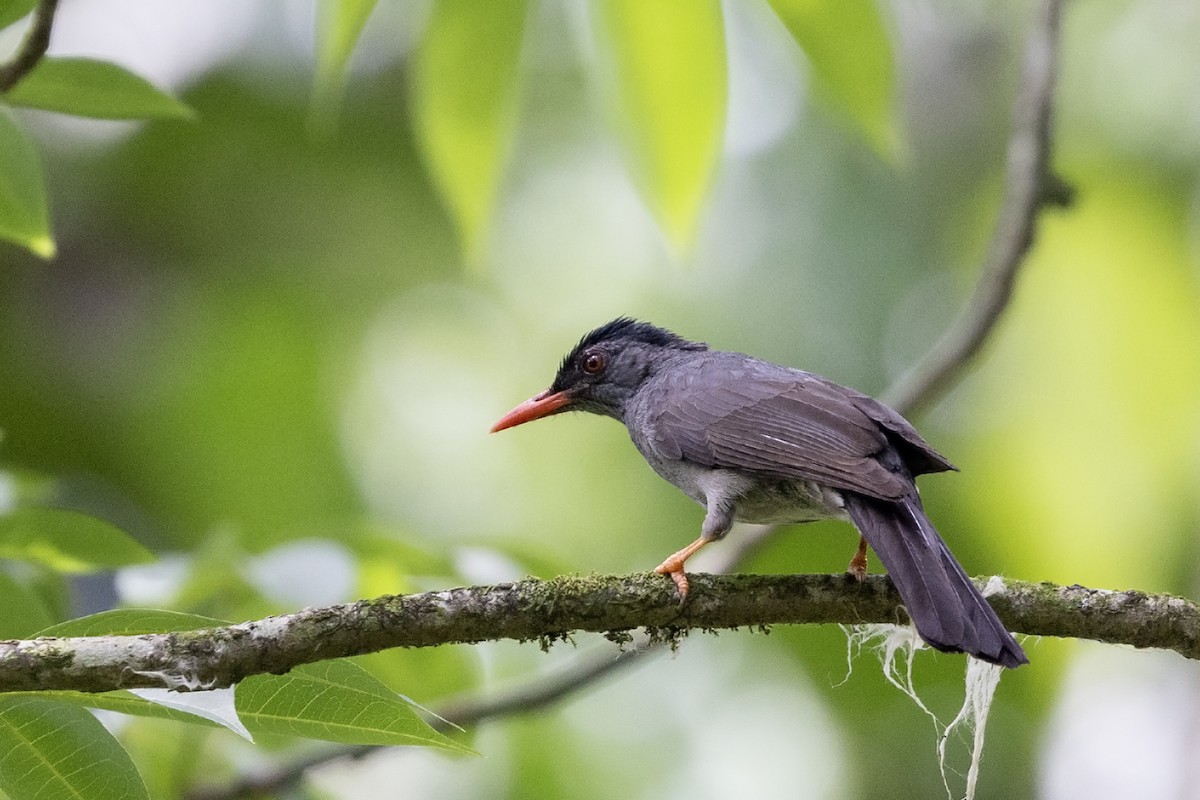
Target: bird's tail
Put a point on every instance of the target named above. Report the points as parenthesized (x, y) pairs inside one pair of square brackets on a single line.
[(949, 612)]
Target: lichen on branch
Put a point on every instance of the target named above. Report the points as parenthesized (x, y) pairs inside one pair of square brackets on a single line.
[(545, 610)]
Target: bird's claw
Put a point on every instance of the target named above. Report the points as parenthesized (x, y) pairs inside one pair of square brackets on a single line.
[(857, 570), (673, 566), (676, 573), (858, 565)]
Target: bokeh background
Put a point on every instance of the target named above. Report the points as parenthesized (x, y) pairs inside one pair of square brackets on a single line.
[(266, 352)]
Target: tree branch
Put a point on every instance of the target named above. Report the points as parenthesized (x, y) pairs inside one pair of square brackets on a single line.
[(33, 46), (1028, 187), (546, 611), (521, 699)]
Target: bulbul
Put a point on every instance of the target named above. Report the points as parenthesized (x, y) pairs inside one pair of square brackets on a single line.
[(753, 441)]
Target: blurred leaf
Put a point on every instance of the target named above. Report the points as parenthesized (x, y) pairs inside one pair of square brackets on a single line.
[(221, 428), (212, 588), (438, 671), (131, 622), (666, 80), (86, 87), (534, 559), (51, 587), (49, 749), (67, 540), (466, 94), (174, 761), (388, 557), (20, 487), (13, 10), (1102, 454), (24, 219), (848, 46), (21, 609), (532, 735), (336, 701), (340, 23), (121, 702)]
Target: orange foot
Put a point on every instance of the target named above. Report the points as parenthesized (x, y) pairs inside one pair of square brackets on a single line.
[(858, 564), (673, 566)]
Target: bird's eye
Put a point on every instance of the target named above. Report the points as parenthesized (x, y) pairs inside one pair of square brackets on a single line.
[(593, 363)]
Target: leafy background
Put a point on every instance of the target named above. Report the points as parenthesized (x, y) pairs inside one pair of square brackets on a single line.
[(276, 330)]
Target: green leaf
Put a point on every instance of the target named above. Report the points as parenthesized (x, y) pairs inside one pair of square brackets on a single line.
[(67, 540), (466, 94), (86, 87), (176, 762), (340, 23), (53, 750), (13, 10), (848, 46), (21, 609), (24, 219), (131, 622), (121, 702), (665, 78), (335, 701), (51, 588), (213, 586)]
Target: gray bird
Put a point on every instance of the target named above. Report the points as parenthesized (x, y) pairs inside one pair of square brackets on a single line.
[(753, 441)]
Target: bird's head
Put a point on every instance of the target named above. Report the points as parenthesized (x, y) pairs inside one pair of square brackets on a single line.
[(603, 371)]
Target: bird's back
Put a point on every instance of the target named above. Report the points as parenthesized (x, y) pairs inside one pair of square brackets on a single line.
[(718, 409)]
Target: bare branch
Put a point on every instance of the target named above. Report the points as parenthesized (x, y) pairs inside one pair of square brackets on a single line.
[(32, 48), (1028, 187)]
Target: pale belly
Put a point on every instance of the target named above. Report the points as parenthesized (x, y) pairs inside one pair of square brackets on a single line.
[(784, 502), (755, 499)]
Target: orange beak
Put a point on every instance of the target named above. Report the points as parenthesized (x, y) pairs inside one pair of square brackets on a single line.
[(542, 405)]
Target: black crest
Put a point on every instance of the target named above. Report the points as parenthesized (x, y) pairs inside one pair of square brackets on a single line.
[(631, 330)]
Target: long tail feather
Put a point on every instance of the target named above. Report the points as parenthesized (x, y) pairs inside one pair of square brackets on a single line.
[(949, 612)]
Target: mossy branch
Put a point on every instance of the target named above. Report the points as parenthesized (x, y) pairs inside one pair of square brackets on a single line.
[(545, 610)]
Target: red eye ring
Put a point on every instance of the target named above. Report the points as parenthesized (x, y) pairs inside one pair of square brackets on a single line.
[(593, 363)]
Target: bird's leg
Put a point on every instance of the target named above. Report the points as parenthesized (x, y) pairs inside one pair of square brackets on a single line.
[(717, 523), (858, 564), (673, 566)]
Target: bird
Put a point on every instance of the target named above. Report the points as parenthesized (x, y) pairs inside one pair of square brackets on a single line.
[(759, 442)]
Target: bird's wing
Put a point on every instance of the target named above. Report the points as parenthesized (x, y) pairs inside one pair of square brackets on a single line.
[(734, 414), (918, 456)]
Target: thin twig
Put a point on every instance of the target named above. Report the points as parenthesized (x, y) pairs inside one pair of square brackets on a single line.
[(33, 46), (1028, 187)]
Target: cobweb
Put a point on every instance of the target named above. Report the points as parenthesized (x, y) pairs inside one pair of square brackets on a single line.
[(895, 646)]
